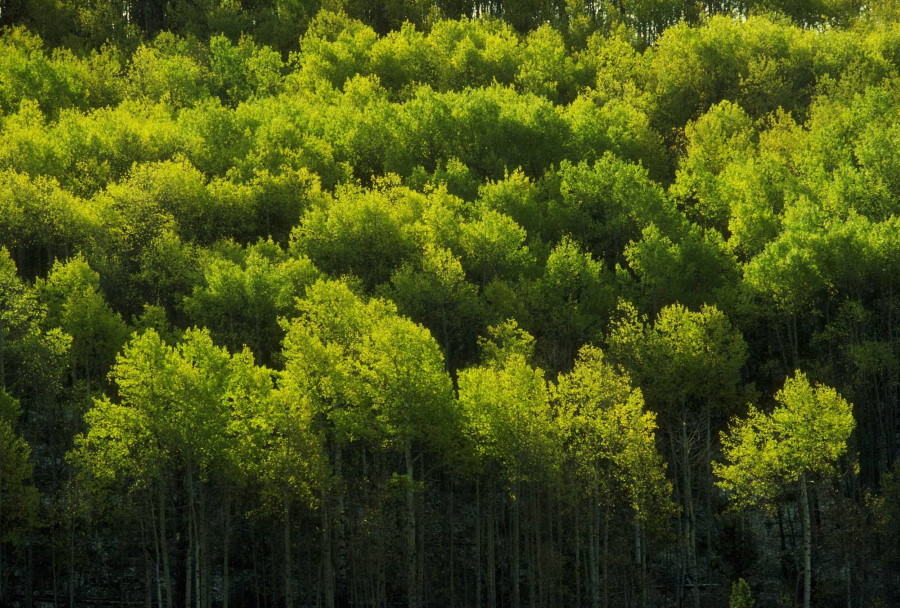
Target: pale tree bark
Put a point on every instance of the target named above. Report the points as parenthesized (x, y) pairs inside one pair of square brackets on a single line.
[(412, 570), (288, 595), (807, 541), (516, 549)]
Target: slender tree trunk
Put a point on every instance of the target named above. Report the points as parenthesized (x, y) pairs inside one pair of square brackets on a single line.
[(421, 589), (534, 554), (691, 532), (327, 565), (54, 569), (577, 560), (203, 563), (2, 588), (188, 561), (197, 542), (516, 549), (452, 559), (71, 561), (255, 558), (594, 554), (226, 591), (478, 528), (156, 554), (412, 598), (288, 595), (148, 576), (681, 554), (606, 518), (640, 554), (338, 530), (164, 544), (29, 573), (492, 547), (807, 541)]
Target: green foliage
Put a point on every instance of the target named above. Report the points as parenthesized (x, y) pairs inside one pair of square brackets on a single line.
[(609, 437), (804, 435), (353, 197), (740, 595), (240, 301), (685, 358), (570, 302), (363, 232), (166, 71), (20, 497), (435, 292), (55, 80), (373, 375), (32, 355), (244, 70), (76, 304), (37, 213), (605, 205), (696, 269), (505, 404)]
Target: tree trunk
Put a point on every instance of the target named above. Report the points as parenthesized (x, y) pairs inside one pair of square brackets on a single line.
[(478, 527), (188, 564), (594, 554), (452, 544), (412, 597), (29, 573), (807, 541), (338, 529), (288, 596), (164, 545), (156, 553), (577, 560), (225, 547), (516, 550), (691, 531), (492, 548), (327, 565), (606, 518)]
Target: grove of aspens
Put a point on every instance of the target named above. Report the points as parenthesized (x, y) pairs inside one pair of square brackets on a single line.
[(450, 303)]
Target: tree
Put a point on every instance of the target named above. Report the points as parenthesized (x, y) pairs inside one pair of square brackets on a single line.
[(611, 459), (375, 381), (76, 304), (241, 300), (18, 498), (363, 232), (405, 381), (570, 302), (606, 204), (435, 293), (179, 414), (740, 595), (506, 411), (688, 365), (801, 439)]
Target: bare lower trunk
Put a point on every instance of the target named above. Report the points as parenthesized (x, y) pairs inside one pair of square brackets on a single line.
[(225, 547), (691, 531), (412, 597), (594, 555), (492, 549), (606, 518), (288, 596), (327, 565), (478, 528), (807, 541), (516, 550)]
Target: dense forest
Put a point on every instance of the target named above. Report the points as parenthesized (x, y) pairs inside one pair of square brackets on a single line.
[(542, 303)]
